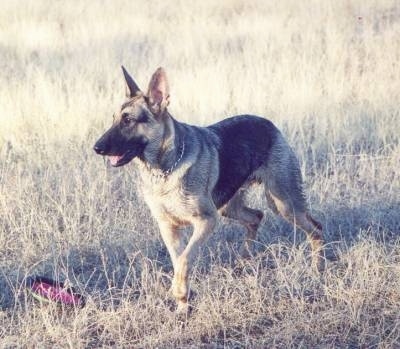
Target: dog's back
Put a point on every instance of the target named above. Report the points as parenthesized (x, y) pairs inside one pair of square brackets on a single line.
[(244, 144)]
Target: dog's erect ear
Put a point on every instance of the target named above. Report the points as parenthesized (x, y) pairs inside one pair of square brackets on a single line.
[(131, 88), (158, 92)]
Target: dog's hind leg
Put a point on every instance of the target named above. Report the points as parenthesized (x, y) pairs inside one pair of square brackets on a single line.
[(248, 217), (271, 203), (302, 219), (284, 191)]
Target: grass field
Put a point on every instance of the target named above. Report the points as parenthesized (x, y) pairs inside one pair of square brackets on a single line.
[(327, 73)]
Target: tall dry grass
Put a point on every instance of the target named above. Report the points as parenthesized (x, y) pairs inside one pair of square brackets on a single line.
[(327, 73)]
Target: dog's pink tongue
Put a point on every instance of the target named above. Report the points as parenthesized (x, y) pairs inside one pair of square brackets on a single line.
[(114, 159)]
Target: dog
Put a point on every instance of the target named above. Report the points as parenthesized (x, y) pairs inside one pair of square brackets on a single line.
[(190, 175)]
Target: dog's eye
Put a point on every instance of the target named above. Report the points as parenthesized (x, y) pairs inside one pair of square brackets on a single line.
[(126, 119)]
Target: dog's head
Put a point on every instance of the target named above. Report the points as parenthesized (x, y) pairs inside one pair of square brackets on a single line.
[(139, 123)]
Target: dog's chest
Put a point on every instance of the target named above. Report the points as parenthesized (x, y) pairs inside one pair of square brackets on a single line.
[(167, 200)]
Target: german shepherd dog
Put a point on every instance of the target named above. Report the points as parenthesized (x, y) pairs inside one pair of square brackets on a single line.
[(190, 174)]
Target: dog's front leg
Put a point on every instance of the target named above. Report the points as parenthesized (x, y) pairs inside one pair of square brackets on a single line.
[(203, 225), (173, 239)]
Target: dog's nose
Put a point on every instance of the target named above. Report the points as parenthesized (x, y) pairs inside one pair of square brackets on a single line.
[(99, 149)]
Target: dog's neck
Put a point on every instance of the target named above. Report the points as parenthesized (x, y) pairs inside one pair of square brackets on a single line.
[(165, 155)]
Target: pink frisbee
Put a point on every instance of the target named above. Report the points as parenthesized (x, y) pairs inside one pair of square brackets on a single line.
[(51, 291)]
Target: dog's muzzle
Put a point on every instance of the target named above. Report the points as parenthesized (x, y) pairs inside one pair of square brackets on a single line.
[(99, 149)]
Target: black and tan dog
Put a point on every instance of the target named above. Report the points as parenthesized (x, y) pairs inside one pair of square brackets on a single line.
[(191, 173)]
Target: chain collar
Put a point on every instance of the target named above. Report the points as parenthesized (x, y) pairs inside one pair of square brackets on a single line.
[(166, 173)]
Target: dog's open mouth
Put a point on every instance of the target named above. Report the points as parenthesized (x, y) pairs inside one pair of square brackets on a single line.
[(119, 160)]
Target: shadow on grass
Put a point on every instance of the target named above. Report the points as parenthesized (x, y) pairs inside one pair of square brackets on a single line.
[(116, 270)]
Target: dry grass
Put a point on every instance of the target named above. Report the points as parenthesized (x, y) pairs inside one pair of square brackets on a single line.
[(327, 73)]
